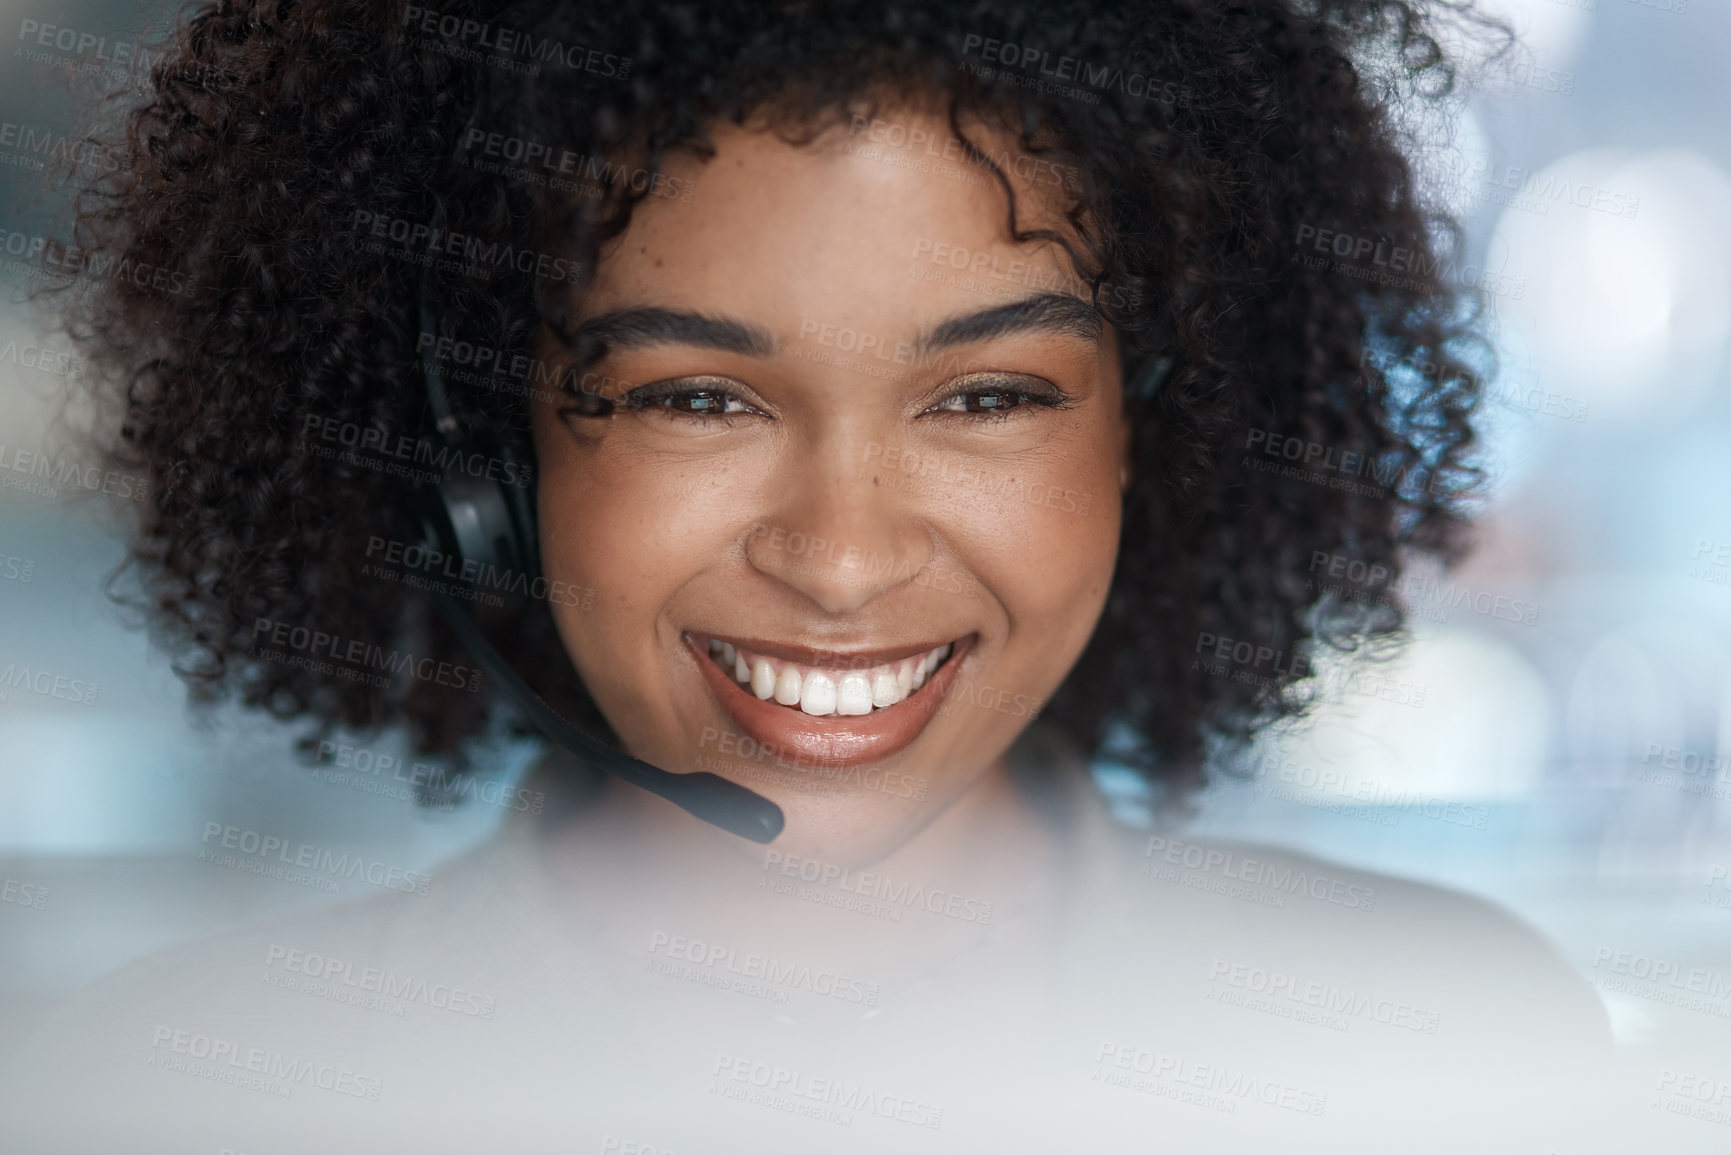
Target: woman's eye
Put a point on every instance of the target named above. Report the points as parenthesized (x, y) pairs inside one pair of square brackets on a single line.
[(698, 403), (990, 401), (701, 400), (996, 400)]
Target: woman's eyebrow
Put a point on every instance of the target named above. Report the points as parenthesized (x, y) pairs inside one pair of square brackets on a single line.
[(1040, 313), (644, 326)]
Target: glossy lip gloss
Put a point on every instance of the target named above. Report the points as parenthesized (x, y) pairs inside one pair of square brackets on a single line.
[(849, 740)]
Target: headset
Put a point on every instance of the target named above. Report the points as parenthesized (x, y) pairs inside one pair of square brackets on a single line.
[(487, 521), (491, 523)]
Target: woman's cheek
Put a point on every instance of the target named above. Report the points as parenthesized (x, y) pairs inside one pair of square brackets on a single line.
[(630, 522), (587, 539), (1045, 551)]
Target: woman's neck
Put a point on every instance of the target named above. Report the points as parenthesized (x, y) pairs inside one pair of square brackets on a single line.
[(637, 865)]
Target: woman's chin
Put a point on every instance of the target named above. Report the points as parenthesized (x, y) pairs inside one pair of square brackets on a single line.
[(855, 817)]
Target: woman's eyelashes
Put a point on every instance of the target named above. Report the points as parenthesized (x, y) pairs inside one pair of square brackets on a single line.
[(704, 400), (999, 397)]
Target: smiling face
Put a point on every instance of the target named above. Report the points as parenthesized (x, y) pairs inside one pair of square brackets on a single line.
[(854, 511)]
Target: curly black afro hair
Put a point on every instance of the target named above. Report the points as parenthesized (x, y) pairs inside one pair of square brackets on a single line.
[(1217, 140)]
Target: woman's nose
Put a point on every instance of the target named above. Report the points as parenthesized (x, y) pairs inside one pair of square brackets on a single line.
[(839, 536)]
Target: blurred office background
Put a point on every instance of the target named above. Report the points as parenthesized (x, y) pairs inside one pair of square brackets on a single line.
[(1554, 739)]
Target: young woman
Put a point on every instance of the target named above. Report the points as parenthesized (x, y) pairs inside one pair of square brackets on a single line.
[(888, 410)]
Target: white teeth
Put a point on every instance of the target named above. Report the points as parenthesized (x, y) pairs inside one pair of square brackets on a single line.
[(787, 686), (854, 695), (762, 678), (821, 693), (817, 696), (886, 691)]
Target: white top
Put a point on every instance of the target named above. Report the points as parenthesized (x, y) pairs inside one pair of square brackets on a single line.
[(1188, 997)]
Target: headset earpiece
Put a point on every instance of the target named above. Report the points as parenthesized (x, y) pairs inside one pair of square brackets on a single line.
[(482, 514), (482, 510)]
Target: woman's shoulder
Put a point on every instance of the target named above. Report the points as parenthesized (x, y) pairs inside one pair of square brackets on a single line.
[(316, 1014), (1204, 968), (1175, 913), (351, 954), (1279, 907), (1154, 876)]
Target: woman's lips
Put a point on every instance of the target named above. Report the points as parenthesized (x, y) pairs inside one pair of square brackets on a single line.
[(832, 683), (834, 740)]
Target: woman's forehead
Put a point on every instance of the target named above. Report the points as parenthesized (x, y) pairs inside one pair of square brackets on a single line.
[(835, 233)]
